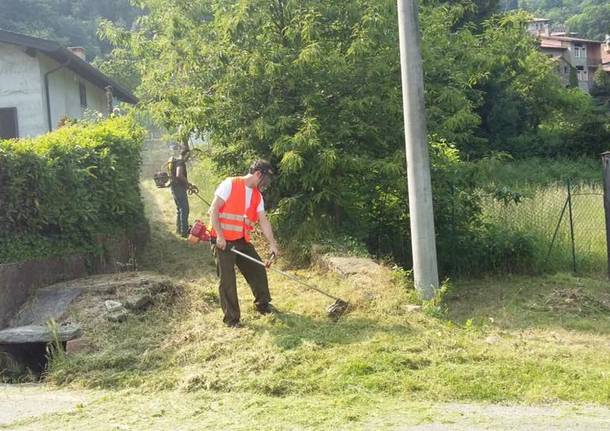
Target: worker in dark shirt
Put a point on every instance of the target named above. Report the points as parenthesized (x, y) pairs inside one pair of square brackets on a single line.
[(180, 186)]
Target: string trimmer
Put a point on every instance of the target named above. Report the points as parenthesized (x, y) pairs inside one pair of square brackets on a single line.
[(195, 191), (334, 311), (199, 232), (163, 180)]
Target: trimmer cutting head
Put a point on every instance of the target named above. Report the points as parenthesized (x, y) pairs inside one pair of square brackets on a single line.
[(336, 310)]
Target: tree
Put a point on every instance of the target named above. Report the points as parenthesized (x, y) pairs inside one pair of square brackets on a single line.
[(601, 86), (590, 18), (314, 86), (593, 22)]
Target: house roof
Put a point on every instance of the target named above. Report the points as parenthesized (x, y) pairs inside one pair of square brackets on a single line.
[(551, 43), (570, 39), (72, 61)]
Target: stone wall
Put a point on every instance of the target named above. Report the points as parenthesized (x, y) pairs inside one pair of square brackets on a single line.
[(17, 280)]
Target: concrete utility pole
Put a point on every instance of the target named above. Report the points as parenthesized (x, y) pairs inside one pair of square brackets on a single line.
[(423, 241), (606, 165)]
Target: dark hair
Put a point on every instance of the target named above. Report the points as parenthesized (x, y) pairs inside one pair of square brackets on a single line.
[(263, 166)]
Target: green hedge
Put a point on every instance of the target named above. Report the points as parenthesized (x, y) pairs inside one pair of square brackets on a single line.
[(61, 191)]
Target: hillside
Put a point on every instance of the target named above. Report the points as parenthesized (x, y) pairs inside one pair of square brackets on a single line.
[(590, 18), (68, 22), (391, 362), (512, 340)]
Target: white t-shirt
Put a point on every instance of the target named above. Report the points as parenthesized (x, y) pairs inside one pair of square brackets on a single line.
[(224, 191)]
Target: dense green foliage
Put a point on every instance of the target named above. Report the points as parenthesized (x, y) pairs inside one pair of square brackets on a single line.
[(601, 86), (61, 190), (589, 18), (315, 87), (69, 22)]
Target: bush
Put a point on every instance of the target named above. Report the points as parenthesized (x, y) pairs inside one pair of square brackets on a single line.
[(62, 190), (373, 216)]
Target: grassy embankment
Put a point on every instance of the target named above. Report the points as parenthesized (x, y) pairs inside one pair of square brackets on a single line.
[(509, 339)]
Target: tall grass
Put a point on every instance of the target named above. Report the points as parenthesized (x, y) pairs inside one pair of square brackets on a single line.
[(532, 173)]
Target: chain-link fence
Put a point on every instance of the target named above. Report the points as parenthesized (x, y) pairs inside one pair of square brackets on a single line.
[(520, 229), (565, 222)]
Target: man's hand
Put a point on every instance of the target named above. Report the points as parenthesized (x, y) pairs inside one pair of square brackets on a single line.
[(271, 259), (274, 249), (221, 243)]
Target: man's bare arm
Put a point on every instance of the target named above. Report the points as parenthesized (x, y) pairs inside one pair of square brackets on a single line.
[(217, 203), (268, 231)]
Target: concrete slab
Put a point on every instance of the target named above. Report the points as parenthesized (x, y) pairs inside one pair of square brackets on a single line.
[(48, 303), (38, 334), (18, 280)]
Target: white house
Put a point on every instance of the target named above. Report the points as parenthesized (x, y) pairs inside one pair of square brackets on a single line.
[(41, 82)]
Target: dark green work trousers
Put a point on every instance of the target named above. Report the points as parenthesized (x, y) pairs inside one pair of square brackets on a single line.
[(182, 209), (255, 275)]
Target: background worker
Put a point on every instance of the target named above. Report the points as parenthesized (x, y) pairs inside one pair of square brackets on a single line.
[(238, 204), (179, 186)]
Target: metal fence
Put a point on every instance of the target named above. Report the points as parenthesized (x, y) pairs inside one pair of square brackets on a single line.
[(565, 221), (553, 228)]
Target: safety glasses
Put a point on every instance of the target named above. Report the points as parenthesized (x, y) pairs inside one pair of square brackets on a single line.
[(264, 182)]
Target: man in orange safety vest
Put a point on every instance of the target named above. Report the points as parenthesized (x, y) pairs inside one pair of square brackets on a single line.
[(238, 204)]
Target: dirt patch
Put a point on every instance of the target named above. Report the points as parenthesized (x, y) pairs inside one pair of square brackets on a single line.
[(351, 266)]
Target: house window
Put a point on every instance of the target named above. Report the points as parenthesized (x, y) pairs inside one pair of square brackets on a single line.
[(83, 94), (8, 123), (580, 51), (581, 73)]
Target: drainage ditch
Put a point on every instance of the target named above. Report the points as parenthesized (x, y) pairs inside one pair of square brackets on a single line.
[(25, 360)]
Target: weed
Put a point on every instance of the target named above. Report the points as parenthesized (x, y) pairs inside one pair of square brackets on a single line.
[(436, 307)]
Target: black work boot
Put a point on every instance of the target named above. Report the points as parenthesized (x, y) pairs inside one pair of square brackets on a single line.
[(235, 324), (265, 308)]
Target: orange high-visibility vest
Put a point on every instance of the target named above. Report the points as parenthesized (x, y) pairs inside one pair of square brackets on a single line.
[(235, 219)]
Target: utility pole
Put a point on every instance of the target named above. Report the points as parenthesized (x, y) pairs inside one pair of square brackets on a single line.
[(606, 172), (423, 241)]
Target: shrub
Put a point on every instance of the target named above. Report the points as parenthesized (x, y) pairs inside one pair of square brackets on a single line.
[(63, 189)]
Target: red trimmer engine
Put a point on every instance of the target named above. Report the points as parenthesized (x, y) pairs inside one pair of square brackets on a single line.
[(199, 232)]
